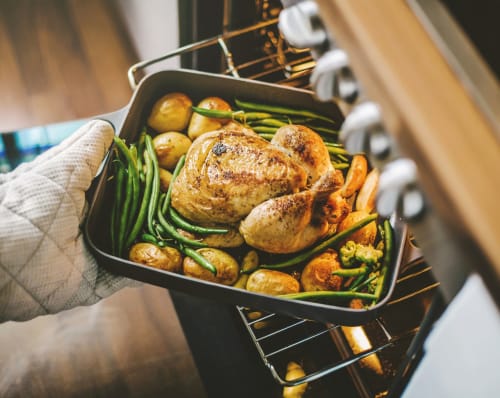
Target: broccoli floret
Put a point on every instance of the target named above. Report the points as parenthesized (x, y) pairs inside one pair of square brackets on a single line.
[(348, 254), (353, 253)]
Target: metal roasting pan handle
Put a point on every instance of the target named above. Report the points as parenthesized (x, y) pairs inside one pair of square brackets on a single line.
[(219, 39)]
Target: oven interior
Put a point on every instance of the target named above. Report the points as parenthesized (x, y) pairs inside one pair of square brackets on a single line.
[(245, 351)]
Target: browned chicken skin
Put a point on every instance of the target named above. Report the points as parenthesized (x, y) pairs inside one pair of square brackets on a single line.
[(306, 147), (291, 222), (280, 189), (229, 172)]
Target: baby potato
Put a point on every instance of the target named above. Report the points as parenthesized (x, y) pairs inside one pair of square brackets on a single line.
[(165, 178), (169, 148), (227, 267), (171, 112), (365, 235), (232, 238), (202, 124), (165, 258), (272, 282), (317, 274)]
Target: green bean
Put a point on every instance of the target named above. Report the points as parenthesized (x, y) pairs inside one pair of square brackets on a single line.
[(356, 286), (387, 260), (140, 154), (267, 137), (350, 271), (289, 119), (155, 189), (342, 158), (265, 129), (336, 150), (250, 106), (148, 238), (269, 122), (239, 115), (132, 188), (175, 174), (115, 221), (328, 294), (172, 231), (136, 186), (143, 209), (176, 217), (198, 258), (340, 166), (187, 226), (337, 238), (324, 130), (124, 213)]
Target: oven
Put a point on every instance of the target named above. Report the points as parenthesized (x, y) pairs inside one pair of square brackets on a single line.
[(449, 273)]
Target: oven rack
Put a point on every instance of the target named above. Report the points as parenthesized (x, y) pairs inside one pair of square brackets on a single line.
[(263, 327), (285, 65), (279, 63)]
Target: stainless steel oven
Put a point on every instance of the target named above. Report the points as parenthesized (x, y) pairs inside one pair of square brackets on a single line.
[(327, 47)]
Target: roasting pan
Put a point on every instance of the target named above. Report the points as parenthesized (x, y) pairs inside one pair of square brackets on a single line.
[(128, 122)]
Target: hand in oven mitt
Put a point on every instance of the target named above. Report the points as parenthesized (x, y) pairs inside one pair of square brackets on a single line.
[(44, 264)]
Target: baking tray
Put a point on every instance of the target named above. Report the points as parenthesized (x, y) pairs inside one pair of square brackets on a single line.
[(128, 122)]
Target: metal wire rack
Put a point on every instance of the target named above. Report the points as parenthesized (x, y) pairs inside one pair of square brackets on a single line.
[(371, 353), (279, 62)]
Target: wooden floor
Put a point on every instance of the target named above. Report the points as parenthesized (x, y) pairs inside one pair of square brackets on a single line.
[(63, 60), (60, 60)]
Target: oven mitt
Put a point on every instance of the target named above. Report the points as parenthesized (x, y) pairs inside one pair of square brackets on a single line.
[(44, 264)]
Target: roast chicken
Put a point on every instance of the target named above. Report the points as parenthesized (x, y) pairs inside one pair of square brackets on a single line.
[(277, 192), (291, 222)]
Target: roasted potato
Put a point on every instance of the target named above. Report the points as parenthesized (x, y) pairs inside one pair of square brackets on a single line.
[(227, 267), (317, 274), (201, 124), (171, 112), (169, 148), (249, 262), (294, 371), (365, 235), (166, 258), (165, 178), (368, 192), (355, 176), (272, 282), (232, 238)]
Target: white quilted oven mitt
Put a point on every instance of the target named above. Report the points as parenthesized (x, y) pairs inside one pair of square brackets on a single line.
[(44, 265)]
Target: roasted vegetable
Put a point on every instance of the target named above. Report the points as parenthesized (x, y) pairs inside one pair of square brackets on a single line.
[(249, 263), (365, 235), (200, 124), (318, 273), (352, 254), (293, 372), (272, 282), (355, 176), (348, 231), (227, 267), (367, 194), (165, 179), (169, 148), (165, 258), (171, 112)]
